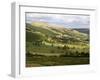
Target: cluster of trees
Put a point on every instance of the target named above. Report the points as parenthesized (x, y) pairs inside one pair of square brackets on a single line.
[(75, 54), (38, 42), (66, 54), (70, 52)]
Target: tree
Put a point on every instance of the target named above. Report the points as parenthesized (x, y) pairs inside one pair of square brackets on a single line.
[(64, 47)]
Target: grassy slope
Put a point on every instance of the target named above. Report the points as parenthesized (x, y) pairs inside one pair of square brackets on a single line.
[(54, 38), (50, 31), (43, 31)]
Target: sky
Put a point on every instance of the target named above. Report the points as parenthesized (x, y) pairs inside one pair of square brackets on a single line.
[(68, 21)]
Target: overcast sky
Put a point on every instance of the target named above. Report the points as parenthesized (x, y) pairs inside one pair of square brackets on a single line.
[(69, 21)]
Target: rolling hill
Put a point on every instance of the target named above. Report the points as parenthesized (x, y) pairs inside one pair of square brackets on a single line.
[(51, 44), (46, 31)]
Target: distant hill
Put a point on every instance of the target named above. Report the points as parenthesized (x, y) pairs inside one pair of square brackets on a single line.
[(83, 30)]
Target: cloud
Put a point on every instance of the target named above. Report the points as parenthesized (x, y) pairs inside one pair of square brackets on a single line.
[(72, 21)]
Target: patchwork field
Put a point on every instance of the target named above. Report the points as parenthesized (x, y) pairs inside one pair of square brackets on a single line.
[(53, 45)]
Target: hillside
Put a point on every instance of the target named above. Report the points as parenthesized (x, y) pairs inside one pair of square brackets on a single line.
[(55, 32), (50, 44)]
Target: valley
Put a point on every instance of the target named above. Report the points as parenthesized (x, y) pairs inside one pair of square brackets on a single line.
[(50, 45)]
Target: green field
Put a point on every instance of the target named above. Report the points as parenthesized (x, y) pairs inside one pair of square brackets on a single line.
[(48, 45), (33, 61)]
